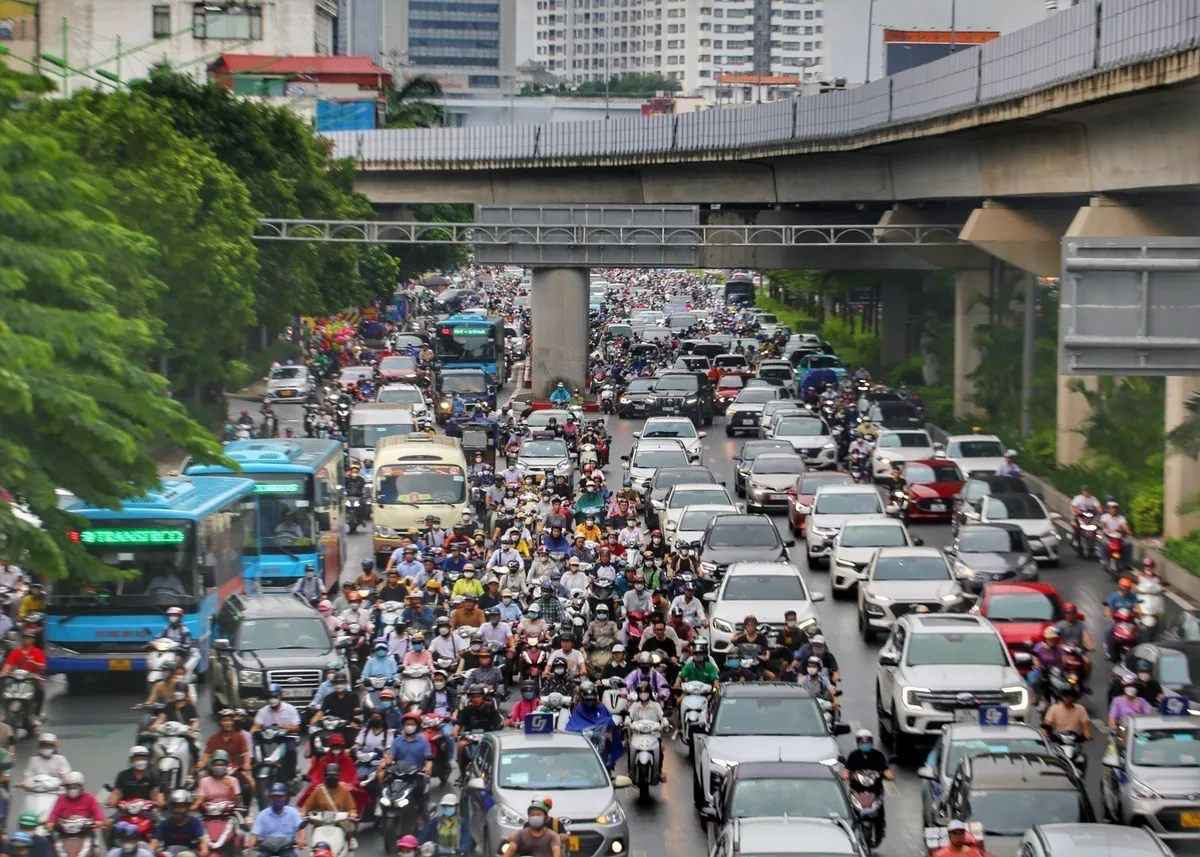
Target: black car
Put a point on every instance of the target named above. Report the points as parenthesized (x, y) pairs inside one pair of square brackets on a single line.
[(266, 640), (740, 538), (969, 500), (744, 413), (751, 450), (666, 478), (896, 415), (688, 394), (987, 553), (638, 398), (776, 789)]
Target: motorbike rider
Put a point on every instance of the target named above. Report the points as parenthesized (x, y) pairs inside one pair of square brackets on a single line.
[(818, 647), (1049, 655), (601, 627), (467, 586), (698, 667), (178, 632), (574, 659), (504, 554), (865, 757), (638, 599), (536, 839), (282, 715), (1113, 524), (47, 762), (417, 655), (560, 396), (1067, 715), (356, 486), (555, 541), (40, 846), (434, 536), (75, 802), (818, 685), (961, 843), (489, 674), (32, 659), (332, 796), (1123, 599), (549, 606), (479, 714), (735, 672), (752, 637), (127, 842), (559, 680), (539, 570), (1127, 703), (645, 707), (1148, 687), (219, 784), (180, 828), (380, 664), (631, 536), (444, 702), (280, 819), (527, 704), (646, 672), (410, 746), (1073, 632), (445, 830), (860, 446), (309, 587), (1084, 502), (691, 607), (181, 709), (575, 577), (416, 615), (137, 782), (370, 577), (468, 614), (510, 610)]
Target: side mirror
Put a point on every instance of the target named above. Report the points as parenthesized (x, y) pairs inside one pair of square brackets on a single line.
[(892, 509), (222, 645), (671, 525), (919, 542), (889, 659), (710, 597), (625, 458), (803, 509), (622, 782), (841, 729), (476, 783), (817, 596), (949, 550), (709, 813), (703, 435), (637, 434), (790, 543), (1111, 759), (926, 773)]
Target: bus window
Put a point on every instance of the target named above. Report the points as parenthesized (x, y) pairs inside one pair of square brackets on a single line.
[(285, 504), (406, 483)]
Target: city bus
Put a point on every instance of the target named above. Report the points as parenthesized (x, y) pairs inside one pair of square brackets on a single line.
[(739, 291), (185, 546), (467, 341), (298, 482)]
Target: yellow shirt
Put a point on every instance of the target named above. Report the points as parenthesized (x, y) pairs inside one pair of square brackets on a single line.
[(462, 586), (31, 604), (592, 534)]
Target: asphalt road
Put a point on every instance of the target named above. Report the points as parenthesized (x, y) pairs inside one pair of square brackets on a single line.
[(96, 726)]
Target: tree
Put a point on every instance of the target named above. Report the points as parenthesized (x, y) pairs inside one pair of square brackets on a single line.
[(77, 404), (417, 259), (411, 106)]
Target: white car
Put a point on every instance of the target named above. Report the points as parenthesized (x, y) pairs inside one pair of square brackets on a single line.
[(287, 384), (832, 507), (856, 544), (975, 453), (688, 494), (894, 447), (810, 437), (648, 455), (403, 394), (1030, 514), (774, 411), (764, 590), (674, 428), (694, 520), (904, 580), (935, 669)]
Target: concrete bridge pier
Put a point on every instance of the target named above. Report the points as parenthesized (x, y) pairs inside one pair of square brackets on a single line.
[(559, 299)]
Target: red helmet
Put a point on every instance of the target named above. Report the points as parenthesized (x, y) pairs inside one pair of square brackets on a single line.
[(654, 533), (1148, 563), (1069, 607), (337, 739), (1124, 583), (408, 843)]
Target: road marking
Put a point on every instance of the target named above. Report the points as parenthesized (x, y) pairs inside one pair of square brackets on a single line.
[(891, 789)]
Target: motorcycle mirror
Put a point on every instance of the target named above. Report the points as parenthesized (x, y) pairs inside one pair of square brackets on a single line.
[(476, 783), (622, 782), (841, 729), (710, 597), (709, 813), (926, 773), (222, 645), (816, 596), (790, 543), (919, 542)]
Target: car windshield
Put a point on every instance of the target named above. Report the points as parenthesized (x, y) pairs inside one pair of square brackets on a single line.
[(368, 436), (305, 632), (990, 540), (731, 382), (730, 361), (820, 798), (1015, 507), (905, 440), (677, 384), (683, 428), (911, 568), (977, 489), (995, 746), (287, 373), (698, 520), (755, 448), (763, 587), (767, 318), (541, 419), (781, 406), (783, 372), (810, 484), (976, 449), (1011, 812), (415, 484), (926, 474), (641, 385), (401, 395), (356, 373), (824, 361), (1176, 667), (874, 536), (792, 715), (665, 481), (660, 458), (1021, 607), (801, 428), (777, 464), (696, 364), (543, 449), (848, 504), (695, 496), (1177, 747), (397, 364), (756, 396), (950, 649), (743, 535), (548, 768)]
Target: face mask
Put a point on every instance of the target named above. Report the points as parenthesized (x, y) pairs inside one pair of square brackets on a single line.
[(46, 752), (174, 620), (141, 765), (408, 854), (640, 587), (74, 791), (506, 601), (468, 574), (1131, 691), (733, 663), (381, 654), (278, 804), (275, 703), (865, 746), (447, 812), (644, 697), (443, 631), (385, 705), (339, 688), (560, 670), (129, 847), (537, 821), (790, 623), (410, 729), (813, 670), (475, 647), (1144, 676), (439, 685), (180, 696), (529, 694), (418, 646)]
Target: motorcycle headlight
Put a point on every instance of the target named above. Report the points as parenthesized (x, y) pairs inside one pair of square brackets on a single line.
[(722, 625), (444, 406), (509, 817), (691, 400), (613, 815), (1015, 697), (250, 676), (625, 400), (949, 599)]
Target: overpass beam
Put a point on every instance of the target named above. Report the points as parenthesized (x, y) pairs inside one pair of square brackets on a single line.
[(1023, 238), (559, 302), (971, 293)]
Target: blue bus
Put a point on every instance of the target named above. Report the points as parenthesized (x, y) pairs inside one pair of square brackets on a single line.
[(469, 341), (182, 546), (298, 482), (739, 291)]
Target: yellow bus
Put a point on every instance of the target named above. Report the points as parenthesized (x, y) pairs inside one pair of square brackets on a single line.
[(416, 475)]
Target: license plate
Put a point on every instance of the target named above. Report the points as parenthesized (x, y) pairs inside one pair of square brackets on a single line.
[(573, 842), (673, 410), (286, 393), (1189, 819), (966, 715), (120, 665), (297, 693), (937, 507)]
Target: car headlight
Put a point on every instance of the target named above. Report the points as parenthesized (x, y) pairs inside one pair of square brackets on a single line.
[(1015, 697), (613, 815), (691, 400), (909, 697), (1140, 791), (509, 817), (875, 596), (731, 410), (963, 570), (709, 567), (723, 626), (829, 446), (625, 400), (722, 763), (564, 466), (1030, 565), (949, 599), (845, 563), (386, 532), (250, 676)]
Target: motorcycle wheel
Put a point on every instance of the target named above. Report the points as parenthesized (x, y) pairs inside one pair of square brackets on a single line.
[(644, 789), (353, 528), (389, 829)]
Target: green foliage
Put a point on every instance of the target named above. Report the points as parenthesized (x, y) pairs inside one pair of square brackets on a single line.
[(418, 259), (1146, 510), (1184, 552), (855, 346), (797, 320), (1124, 431), (414, 105)]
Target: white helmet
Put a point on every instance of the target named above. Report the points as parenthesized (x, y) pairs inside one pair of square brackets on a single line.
[(863, 735), (448, 800), (73, 778)]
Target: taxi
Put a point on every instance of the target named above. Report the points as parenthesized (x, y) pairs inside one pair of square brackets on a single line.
[(513, 766), (1151, 774)]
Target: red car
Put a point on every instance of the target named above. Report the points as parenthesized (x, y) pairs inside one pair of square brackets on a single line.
[(727, 389), (399, 368), (805, 490), (1021, 612), (931, 485)]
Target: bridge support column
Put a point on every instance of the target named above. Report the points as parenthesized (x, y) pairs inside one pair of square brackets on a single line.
[(1181, 473), (896, 297), (559, 301), (1071, 411), (970, 311)]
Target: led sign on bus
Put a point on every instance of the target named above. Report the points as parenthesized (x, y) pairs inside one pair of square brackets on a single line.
[(129, 537), (466, 331), (278, 488)]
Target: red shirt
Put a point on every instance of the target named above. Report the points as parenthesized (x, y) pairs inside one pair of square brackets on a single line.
[(33, 660), (84, 806)]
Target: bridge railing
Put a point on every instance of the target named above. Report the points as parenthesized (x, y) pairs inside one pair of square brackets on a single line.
[(1092, 37)]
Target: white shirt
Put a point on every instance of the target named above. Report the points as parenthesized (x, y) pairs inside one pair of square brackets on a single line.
[(630, 538), (39, 766), (1112, 525), (447, 647), (284, 716), (575, 661), (691, 609), (651, 710), (573, 580), (1085, 504)]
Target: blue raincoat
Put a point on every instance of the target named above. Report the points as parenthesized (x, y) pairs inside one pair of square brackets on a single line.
[(595, 723)]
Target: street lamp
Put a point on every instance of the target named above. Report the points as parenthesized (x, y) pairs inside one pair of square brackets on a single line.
[(870, 30)]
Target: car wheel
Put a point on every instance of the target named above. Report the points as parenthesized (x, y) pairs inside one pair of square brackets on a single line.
[(729, 432), (698, 797), (882, 721), (752, 509), (839, 594), (813, 563), (868, 633)]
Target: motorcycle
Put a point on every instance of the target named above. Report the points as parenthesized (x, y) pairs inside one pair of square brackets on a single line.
[(322, 731), (1150, 610), (867, 804), (223, 826), (588, 454), (856, 467), (372, 687), (532, 660), (17, 698), (1125, 634), (75, 837), (270, 749), (1117, 563), (557, 705), (325, 828), (139, 813), (1070, 745), (693, 712), (1084, 533), (161, 661), (645, 752), (171, 754), (600, 653), (415, 686), (615, 698), (401, 803), (358, 511), (608, 399), (41, 793), (443, 756)]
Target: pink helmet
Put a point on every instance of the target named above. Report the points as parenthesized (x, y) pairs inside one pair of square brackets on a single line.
[(408, 843), (325, 607)]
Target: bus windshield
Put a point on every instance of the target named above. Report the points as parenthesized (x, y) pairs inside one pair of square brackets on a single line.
[(415, 484), (285, 509), (467, 342), (368, 436), (471, 384)]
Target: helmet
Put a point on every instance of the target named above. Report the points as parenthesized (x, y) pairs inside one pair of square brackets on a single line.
[(587, 692), (367, 565), (863, 735), (174, 611), (645, 658), (1124, 583), (139, 750), (476, 690), (48, 738), (219, 756), (387, 693), (73, 778), (1069, 607), (181, 796), (448, 800), (325, 607), (29, 819), (1148, 564), (21, 839), (528, 684), (416, 637), (1050, 633), (411, 715), (408, 843)]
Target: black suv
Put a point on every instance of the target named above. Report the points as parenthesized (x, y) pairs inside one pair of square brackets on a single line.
[(689, 394), (265, 640), (734, 538)]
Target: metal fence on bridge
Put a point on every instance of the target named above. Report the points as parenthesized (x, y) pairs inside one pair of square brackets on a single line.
[(1093, 37)]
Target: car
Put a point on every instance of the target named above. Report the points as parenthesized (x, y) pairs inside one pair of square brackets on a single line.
[(403, 394), (777, 409), (689, 494), (779, 370), (512, 768), (896, 415), (1091, 840), (785, 390), (770, 477), (988, 553), (750, 450), (1149, 776), (775, 789), (811, 437), (759, 721), (539, 420), (895, 447), (764, 590), (789, 836), (959, 740), (349, 377), (1021, 612), (638, 398), (935, 664), (694, 520), (970, 499), (1030, 514), (833, 506), (723, 364), (728, 387), (399, 369), (691, 363), (930, 486), (856, 544), (767, 323), (801, 494), (666, 478), (687, 394), (819, 360), (740, 538), (1175, 665), (975, 453), (265, 640), (901, 580), (678, 428), (287, 384), (744, 412), (647, 456), (546, 458)]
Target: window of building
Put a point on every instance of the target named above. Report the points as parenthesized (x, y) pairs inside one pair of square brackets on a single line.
[(236, 22), (705, 73), (483, 81), (161, 16), (261, 86)]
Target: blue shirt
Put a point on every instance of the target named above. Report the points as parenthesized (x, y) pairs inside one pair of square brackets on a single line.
[(510, 613), (1117, 601), (385, 666), (414, 750), (169, 833), (452, 564), (409, 569), (287, 823)]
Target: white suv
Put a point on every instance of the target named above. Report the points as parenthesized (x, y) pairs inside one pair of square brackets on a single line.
[(936, 669), (674, 428), (831, 508), (764, 590)]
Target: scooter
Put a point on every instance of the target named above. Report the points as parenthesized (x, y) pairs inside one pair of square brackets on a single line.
[(608, 399), (160, 662), (867, 804), (415, 686), (358, 511), (693, 711), (1070, 745), (856, 467), (139, 813), (325, 829), (645, 752), (1085, 535), (270, 748), (1125, 633), (41, 793), (588, 454), (1150, 610), (600, 653), (75, 837), (171, 755), (401, 803), (559, 707), (322, 731), (372, 687), (1117, 563), (17, 696), (222, 826)]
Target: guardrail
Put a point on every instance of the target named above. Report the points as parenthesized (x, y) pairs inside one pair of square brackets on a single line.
[(1088, 39)]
